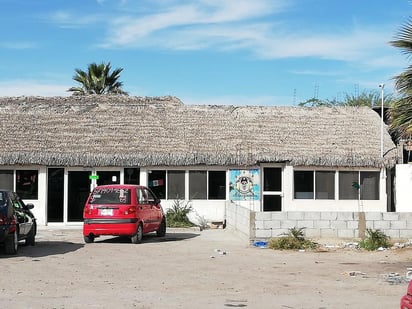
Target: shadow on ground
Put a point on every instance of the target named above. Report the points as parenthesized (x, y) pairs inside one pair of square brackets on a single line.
[(55, 247), (43, 248), (149, 238)]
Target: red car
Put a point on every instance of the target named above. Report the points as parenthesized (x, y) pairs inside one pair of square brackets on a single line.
[(406, 300), (122, 210)]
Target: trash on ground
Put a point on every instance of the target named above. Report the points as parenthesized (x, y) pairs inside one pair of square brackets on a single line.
[(260, 244)]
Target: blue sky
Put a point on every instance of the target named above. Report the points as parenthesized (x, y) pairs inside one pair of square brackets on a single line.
[(242, 52)]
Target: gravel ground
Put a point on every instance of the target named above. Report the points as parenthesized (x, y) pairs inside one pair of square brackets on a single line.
[(193, 269)]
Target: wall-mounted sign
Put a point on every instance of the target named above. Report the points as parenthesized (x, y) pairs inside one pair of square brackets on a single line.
[(244, 185)]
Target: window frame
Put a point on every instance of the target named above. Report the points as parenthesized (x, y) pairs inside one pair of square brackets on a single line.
[(174, 185), (21, 182), (218, 193), (339, 191), (198, 189)]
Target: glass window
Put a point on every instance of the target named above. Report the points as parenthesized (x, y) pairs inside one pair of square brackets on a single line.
[(217, 185), (197, 185), (6, 179), (348, 182), (132, 176), (27, 184), (141, 196), (272, 203), (303, 184), (272, 179), (108, 177), (176, 184), (325, 185), (107, 196), (369, 185), (157, 182), (150, 196)]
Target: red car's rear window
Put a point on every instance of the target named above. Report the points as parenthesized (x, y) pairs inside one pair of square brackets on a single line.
[(110, 196)]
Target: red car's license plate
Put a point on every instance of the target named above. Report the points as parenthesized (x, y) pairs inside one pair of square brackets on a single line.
[(106, 212)]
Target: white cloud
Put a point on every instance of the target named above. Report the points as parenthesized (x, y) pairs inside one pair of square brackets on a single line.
[(244, 25), (18, 45), (67, 19), (176, 20), (226, 25), (32, 88)]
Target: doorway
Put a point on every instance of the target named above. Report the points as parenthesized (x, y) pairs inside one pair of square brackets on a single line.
[(272, 189), (79, 183), (68, 189), (55, 194)]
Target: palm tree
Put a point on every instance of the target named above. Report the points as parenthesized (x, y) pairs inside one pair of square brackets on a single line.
[(98, 80), (401, 112), (367, 98)]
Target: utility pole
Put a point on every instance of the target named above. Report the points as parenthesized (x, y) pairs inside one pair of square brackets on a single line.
[(382, 86)]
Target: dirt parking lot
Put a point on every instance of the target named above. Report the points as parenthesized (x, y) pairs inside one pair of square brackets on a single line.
[(193, 269)]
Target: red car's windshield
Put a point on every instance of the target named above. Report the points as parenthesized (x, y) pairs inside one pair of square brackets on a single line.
[(110, 196)]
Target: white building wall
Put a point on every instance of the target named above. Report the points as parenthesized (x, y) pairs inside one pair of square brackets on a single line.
[(215, 210), (209, 210), (40, 209), (403, 187)]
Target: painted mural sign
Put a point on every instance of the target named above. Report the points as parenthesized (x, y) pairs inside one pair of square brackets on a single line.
[(244, 185)]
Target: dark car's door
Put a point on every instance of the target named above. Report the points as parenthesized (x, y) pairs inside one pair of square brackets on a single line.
[(24, 216)]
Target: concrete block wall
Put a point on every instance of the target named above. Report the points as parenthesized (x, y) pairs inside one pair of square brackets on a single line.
[(345, 225), (239, 219)]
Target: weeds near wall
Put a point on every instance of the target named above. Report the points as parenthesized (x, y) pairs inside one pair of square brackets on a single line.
[(176, 216), (293, 240), (374, 240)]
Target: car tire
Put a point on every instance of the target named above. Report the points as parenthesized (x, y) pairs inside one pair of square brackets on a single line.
[(31, 237), (137, 238), (88, 239), (11, 244), (161, 232)]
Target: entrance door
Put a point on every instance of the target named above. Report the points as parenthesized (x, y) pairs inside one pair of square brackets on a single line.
[(78, 191), (272, 189), (55, 194)]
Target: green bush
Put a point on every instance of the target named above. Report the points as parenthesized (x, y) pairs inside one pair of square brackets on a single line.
[(293, 240), (176, 216), (375, 239)]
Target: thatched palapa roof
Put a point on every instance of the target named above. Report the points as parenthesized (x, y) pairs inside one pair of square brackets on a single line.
[(162, 131)]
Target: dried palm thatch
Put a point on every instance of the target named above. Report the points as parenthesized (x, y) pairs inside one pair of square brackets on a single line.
[(162, 131)]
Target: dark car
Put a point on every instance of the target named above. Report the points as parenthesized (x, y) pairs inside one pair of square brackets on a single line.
[(17, 222), (122, 210)]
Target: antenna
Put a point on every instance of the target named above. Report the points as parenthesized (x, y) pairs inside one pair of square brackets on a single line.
[(357, 90), (294, 96), (316, 94)]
